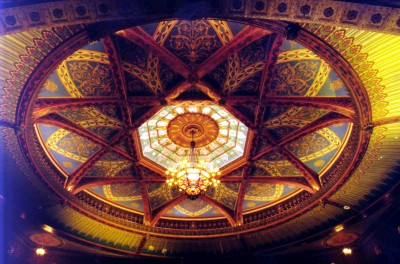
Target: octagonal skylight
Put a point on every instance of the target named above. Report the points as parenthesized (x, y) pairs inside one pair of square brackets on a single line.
[(227, 145)]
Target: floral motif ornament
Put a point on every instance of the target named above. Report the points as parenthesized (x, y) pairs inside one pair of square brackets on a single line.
[(193, 42)]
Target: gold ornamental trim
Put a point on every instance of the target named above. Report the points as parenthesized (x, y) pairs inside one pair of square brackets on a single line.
[(202, 128)]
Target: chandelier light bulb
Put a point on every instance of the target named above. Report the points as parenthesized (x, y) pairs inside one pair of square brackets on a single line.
[(192, 176)]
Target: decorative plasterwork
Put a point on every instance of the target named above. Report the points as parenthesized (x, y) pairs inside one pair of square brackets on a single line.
[(371, 17), (259, 219)]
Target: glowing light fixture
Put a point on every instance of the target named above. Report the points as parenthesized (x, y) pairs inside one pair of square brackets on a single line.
[(347, 251), (47, 228), (192, 177), (339, 228), (40, 251)]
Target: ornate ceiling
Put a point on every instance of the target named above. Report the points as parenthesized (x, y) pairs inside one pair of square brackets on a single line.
[(293, 125)]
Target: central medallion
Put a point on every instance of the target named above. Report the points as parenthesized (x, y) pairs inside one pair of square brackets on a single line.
[(192, 126)]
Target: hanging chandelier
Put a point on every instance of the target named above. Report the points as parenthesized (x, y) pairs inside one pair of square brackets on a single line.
[(191, 176)]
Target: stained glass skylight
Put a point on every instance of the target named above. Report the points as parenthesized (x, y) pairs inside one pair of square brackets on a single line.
[(227, 146)]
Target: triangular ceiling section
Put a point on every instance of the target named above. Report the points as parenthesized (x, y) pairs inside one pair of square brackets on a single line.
[(281, 121), (193, 209), (127, 195), (193, 41), (193, 93), (111, 165), (160, 194), (226, 194), (68, 150), (248, 110), (261, 194), (273, 164), (318, 149)]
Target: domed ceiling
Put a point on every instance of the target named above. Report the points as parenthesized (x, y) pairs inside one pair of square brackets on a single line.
[(285, 121), (103, 115)]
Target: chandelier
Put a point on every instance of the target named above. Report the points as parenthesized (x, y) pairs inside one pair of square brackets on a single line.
[(191, 176)]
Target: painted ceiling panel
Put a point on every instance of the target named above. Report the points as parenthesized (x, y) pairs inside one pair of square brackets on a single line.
[(333, 86), (151, 27), (126, 195), (67, 149), (225, 194), (168, 77), (261, 144), (235, 173), (103, 131), (235, 27), (193, 41), (69, 165), (135, 85), (90, 77), (104, 120), (325, 144), (53, 87), (291, 45), (261, 194), (296, 77), (159, 194), (282, 121), (251, 87), (132, 53), (274, 164), (254, 52), (193, 209), (218, 76)]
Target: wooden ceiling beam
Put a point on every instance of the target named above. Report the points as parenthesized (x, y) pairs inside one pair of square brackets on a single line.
[(240, 202), (64, 123), (226, 211), (263, 152), (274, 48), (201, 85), (46, 105), (241, 193), (386, 121), (140, 37), (132, 144), (242, 118), (340, 104), (164, 208), (93, 181), (246, 36), (143, 118), (119, 79), (324, 121), (147, 216), (295, 181), (310, 175), (146, 204), (320, 123), (208, 90), (61, 122), (77, 175), (179, 88)]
